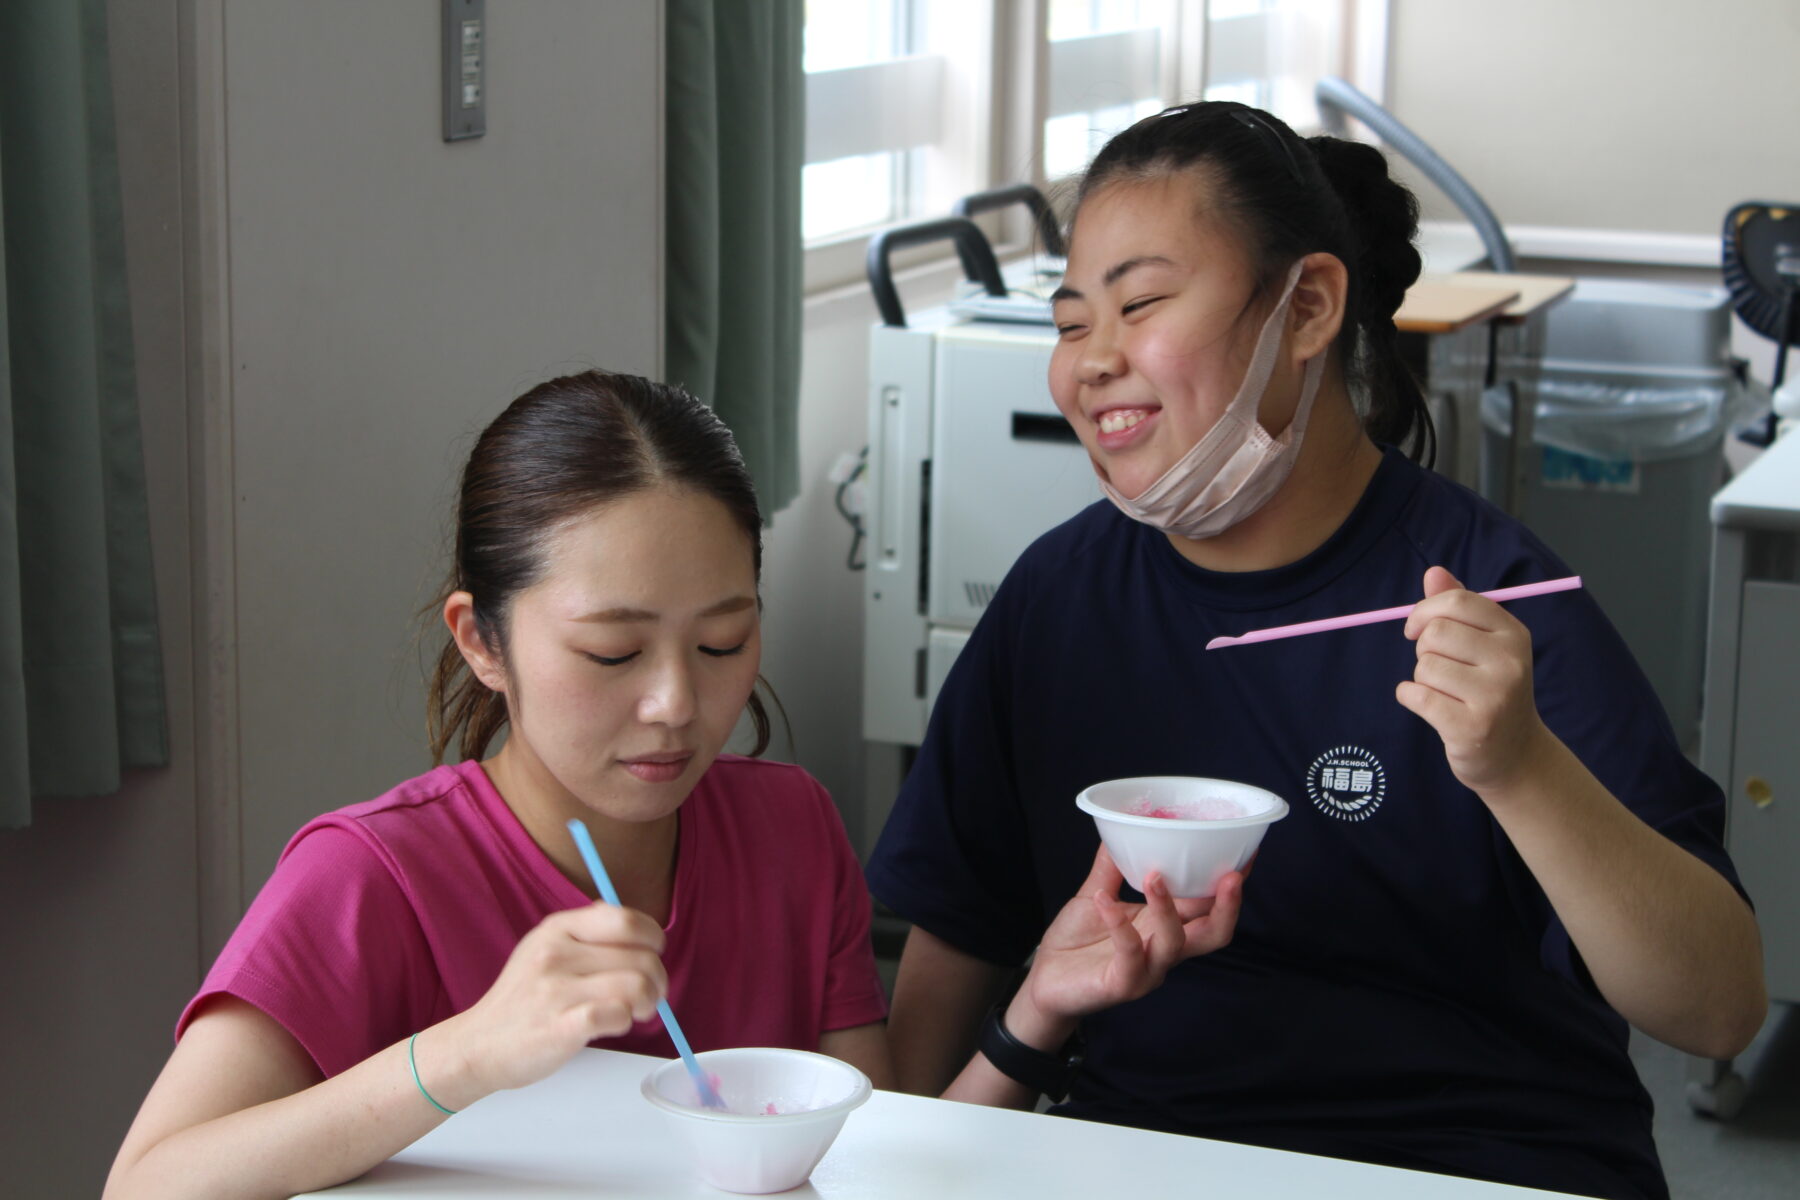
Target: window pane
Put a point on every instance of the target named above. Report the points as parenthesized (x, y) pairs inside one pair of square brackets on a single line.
[(1079, 18), (1243, 93), (849, 33), (1071, 141), (1126, 88), (846, 194), (865, 190)]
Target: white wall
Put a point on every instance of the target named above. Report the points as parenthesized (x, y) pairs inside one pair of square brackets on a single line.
[(1605, 114), (329, 301)]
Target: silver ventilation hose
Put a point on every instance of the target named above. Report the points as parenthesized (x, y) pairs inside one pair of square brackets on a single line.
[(1337, 97)]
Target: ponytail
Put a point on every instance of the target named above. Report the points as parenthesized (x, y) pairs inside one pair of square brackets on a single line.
[(1383, 216)]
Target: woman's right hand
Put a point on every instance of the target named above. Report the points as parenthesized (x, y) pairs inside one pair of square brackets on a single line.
[(1101, 951), (582, 974)]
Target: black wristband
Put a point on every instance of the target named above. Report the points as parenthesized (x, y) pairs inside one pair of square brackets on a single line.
[(1050, 1074)]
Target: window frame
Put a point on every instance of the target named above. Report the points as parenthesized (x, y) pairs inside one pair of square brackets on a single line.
[(1005, 75)]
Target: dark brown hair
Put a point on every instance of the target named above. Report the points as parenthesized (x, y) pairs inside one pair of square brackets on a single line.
[(1292, 197), (558, 451)]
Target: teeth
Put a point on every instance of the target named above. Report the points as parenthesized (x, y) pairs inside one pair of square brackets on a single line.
[(1113, 422)]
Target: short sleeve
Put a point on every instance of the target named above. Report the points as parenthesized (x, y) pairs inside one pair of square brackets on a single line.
[(332, 951), (1592, 694), (953, 857), (853, 992)]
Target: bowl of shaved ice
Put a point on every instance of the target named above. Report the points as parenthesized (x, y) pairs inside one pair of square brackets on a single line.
[(783, 1109), (1193, 831)]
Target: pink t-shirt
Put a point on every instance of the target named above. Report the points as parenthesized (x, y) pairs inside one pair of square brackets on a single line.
[(388, 916)]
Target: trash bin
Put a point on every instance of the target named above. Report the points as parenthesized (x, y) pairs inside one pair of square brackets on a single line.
[(1635, 394)]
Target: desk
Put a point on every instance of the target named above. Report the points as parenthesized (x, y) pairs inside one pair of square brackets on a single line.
[(1447, 304), (1748, 722), (586, 1131), (1465, 332)]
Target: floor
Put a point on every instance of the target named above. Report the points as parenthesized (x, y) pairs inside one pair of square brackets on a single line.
[(1756, 1154)]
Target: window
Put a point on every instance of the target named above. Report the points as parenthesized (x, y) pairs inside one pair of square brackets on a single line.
[(912, 104), (1106, 71), (1270, 52), (883, 76), (841, 188)]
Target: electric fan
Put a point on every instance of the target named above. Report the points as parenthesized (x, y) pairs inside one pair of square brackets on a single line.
[(1762, 273)]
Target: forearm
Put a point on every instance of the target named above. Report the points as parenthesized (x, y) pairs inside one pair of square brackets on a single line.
[(939, 997), (323, 1135), (982, 1083), (864, 1047), (1671, 946)]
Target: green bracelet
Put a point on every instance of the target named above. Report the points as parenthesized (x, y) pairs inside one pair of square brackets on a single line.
[(414, 1062)]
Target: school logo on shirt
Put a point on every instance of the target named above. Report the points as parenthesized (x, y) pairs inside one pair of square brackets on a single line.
[(1346, 782)]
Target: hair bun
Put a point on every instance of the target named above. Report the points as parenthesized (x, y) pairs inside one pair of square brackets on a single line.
[(1384, 217)]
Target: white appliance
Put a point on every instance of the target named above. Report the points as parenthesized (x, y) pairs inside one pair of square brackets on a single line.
[(968, 463)]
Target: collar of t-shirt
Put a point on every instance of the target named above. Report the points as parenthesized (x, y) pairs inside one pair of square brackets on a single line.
[(558, 891), (1389, 490)]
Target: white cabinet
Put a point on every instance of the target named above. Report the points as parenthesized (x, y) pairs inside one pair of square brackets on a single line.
[(1750, 734)]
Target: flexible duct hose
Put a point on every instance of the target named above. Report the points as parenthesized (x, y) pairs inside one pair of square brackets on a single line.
[(1337, 97)]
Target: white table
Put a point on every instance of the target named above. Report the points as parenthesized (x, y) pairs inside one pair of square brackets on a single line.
[(586, 1131)]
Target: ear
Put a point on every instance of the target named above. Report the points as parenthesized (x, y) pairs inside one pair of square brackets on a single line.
[(1317, 309), (484, 664)]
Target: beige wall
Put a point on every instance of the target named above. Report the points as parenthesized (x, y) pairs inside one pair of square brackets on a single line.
[(1605, 114), (330, 301), (390, 292)]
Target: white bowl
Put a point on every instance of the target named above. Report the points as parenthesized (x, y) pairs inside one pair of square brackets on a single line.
[(1192, 851), (746, 1149)]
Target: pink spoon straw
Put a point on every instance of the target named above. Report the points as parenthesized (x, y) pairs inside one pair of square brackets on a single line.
[(1386, 614)]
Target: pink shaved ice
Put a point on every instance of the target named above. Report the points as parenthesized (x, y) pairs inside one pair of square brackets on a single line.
[(1210, 808)]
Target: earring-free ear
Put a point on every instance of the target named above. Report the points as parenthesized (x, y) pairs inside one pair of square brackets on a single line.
[(1319, 304), (465, 631)]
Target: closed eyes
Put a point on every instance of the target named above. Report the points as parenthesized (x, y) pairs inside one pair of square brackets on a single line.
[(710, 651)]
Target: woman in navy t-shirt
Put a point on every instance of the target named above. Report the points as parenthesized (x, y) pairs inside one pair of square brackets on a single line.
[(1496, 854)]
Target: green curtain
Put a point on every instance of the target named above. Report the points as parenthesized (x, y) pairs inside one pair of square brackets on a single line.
[(81, 684), (735, 143)]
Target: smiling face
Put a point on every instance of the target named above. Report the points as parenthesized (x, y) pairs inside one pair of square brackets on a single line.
[(629, 661), (1155, 326)]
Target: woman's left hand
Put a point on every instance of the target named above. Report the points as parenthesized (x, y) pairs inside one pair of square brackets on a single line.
[(1101, 950), (1472, 682)]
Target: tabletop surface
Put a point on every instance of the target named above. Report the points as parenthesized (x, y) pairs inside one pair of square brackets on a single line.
[(1765, 494), (1436, 306), (1535, 292), (586, 1131)]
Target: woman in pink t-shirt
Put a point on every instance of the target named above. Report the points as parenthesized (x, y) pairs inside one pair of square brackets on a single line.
[(416, 952)]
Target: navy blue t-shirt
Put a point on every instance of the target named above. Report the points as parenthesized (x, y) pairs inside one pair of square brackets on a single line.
[(1399, 989)]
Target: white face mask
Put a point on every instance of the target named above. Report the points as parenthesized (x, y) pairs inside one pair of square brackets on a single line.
[(1237, 466)]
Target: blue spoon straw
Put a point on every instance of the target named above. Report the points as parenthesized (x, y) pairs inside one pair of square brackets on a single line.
[(591, 856)]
